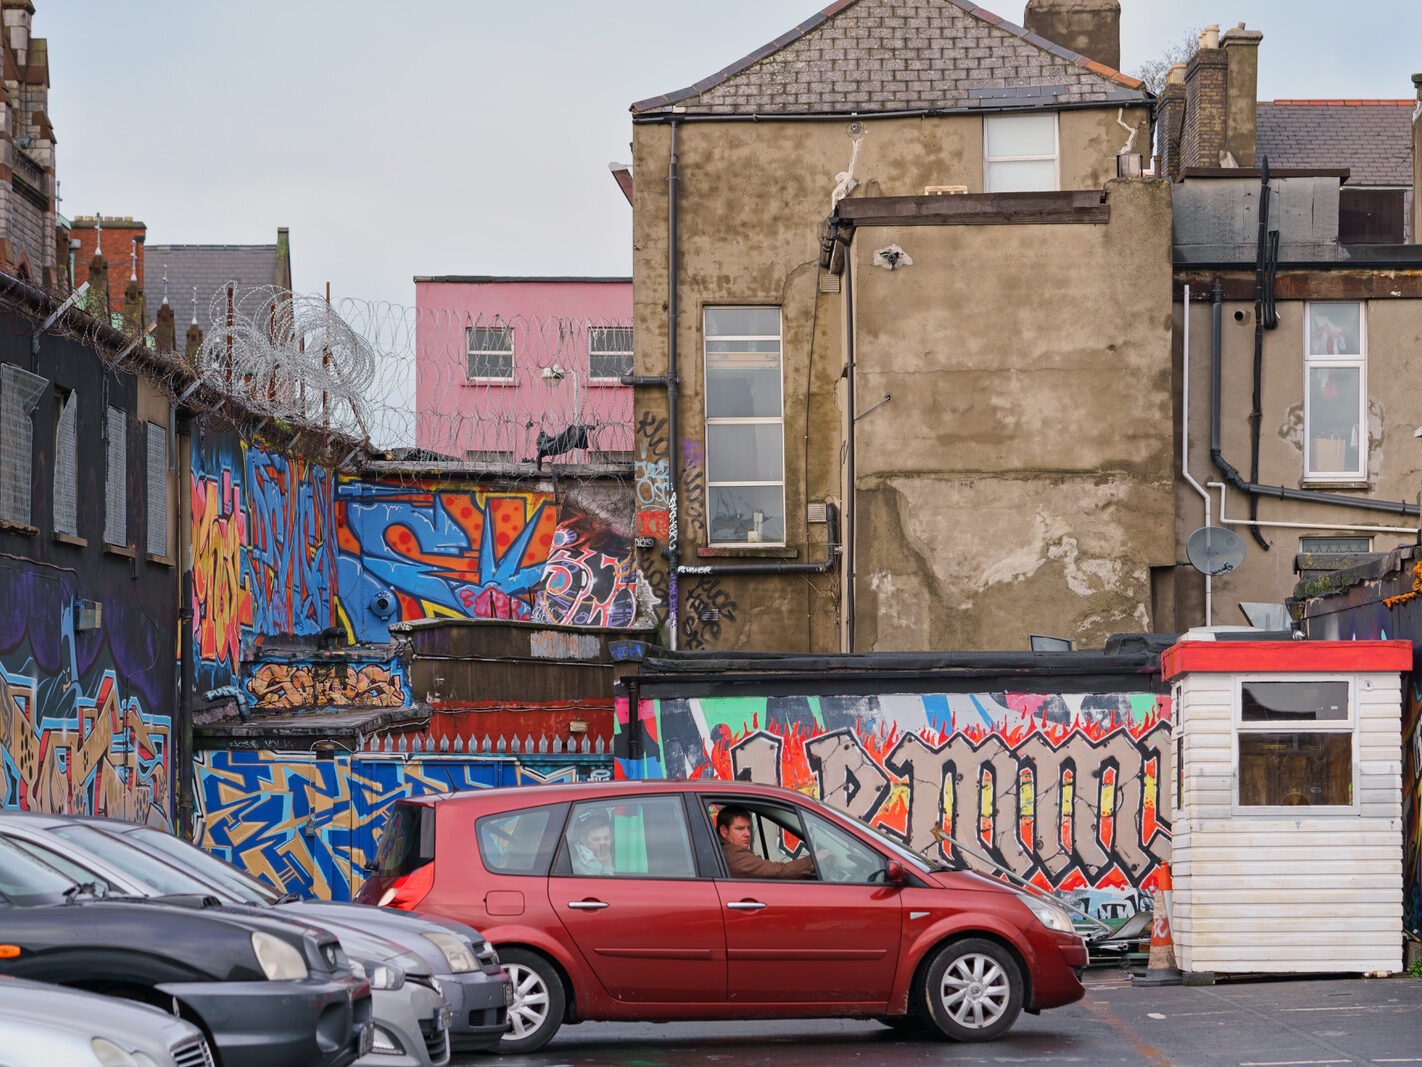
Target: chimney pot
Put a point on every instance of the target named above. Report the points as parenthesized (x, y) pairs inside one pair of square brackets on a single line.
[(1211, 37)]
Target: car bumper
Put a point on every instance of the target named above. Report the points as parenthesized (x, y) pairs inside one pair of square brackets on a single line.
[(411, 1028), (311, 1023), (480, 1006), (1057, 976)]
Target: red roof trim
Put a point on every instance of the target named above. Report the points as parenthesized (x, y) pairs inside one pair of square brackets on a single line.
[(1284, 657)]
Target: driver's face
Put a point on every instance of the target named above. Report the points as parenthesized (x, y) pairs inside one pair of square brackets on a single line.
[(738, 832)]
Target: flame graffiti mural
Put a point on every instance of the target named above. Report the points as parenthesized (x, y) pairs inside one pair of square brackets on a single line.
[(308, 826), (1068, 791)]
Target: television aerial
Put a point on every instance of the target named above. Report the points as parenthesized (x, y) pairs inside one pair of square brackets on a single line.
[(1214, 550)]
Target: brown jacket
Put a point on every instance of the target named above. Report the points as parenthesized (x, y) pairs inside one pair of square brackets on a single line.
[(743, 863)]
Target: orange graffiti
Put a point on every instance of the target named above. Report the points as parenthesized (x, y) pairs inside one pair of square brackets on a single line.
[(221, 603)]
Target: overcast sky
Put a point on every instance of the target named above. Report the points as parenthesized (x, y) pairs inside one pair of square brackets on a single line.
[(405, 137)]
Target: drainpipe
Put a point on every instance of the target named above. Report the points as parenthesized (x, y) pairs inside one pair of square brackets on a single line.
[(673, 395), (849, 514), (1185, 451), (671, 384), (1233, 477), (1256, 412)]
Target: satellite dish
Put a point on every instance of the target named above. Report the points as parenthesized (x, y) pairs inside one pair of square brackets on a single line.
[(1214, 550)]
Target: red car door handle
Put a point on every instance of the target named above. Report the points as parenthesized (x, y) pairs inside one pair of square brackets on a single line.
[(587, 905), (745, 905)]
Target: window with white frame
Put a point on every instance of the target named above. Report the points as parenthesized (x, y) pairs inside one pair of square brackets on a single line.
[(1020, 153), (20, 393), (609, 352), (491, 352), (157, 489), (116, 480), (1295, 743), (66, 463), (745, 429), (1335, 416)]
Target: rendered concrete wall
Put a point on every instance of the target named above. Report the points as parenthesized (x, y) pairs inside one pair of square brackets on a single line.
[(752, 198)]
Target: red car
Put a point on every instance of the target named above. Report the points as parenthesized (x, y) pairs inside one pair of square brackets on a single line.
[(616, 900)]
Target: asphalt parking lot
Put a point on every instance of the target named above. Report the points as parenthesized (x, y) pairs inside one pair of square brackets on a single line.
[(1311, 1022)]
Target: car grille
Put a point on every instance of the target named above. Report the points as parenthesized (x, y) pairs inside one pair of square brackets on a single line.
[(194, 1053), (436, 1043)]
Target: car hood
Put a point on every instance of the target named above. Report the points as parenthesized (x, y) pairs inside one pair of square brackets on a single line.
[(125, 1021)]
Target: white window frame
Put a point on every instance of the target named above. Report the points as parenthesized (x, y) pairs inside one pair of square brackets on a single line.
[(765, 420), (604, 333), (1054, 157), (483, 333), (1344, 361), (1348, 725)]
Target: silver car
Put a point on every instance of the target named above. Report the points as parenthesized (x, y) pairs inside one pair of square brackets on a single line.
[(43, 1025), (411, 1015)]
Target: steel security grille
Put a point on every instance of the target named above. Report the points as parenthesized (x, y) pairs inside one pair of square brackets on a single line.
[(116, 495), (66, 467), (19, 393), (157, 489)]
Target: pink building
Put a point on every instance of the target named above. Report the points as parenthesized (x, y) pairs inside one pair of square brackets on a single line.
[(511, 370)]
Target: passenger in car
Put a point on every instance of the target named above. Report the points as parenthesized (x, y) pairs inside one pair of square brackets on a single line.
[(733, 823), (591, 845)]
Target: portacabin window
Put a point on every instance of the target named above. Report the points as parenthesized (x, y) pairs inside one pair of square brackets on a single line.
[(1020, 153), (491, 352), (609, 352), (745, 426), (1335, 393), (1295, 743)]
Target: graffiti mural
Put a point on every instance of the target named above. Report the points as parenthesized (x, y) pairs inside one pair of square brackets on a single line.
[(307, 825), (71, 740), (281, 685), (1068, 791), (426, 550), (590, 576), (222, 602), (290, 563)]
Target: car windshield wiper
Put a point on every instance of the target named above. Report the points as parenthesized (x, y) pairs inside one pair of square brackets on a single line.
[(287, 898), (88, 889)]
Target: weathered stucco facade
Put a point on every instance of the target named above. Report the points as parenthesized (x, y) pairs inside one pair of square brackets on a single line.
[(1017, 477)]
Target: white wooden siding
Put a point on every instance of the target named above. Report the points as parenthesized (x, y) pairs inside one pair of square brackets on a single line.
[(1300, 890)]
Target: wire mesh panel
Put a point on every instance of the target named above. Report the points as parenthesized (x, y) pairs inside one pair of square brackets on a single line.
[(157, 496), (66, 470), (116, 486), (20, 391)]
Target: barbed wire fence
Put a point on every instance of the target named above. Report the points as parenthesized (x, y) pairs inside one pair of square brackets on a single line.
[(509, 395)]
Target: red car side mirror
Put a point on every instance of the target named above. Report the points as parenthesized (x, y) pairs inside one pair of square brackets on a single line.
[(895, 873)]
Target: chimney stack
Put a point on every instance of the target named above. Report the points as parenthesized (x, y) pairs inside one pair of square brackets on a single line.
[(1415, 236), (1241, 48), (1172, 121), (1091, 27)]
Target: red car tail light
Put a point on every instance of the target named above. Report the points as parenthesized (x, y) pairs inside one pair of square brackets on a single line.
[(407, 890)]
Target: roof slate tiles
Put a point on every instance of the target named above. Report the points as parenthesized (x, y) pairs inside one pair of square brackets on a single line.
[(868, 56), (1372, 138), (209, 268)]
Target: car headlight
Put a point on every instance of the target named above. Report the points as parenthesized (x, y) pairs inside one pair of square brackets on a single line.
[(110, 1055), (281, 962), (383, 975), (1049, 915), (461, 960)]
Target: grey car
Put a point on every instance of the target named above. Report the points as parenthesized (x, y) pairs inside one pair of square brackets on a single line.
[(410, 1014), (43, 1025), (465, 965)]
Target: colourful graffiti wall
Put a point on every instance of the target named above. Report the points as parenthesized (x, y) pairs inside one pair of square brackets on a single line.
[(307, 825), (85, 722), (419, 549), (264, 559), (1069, 791)]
